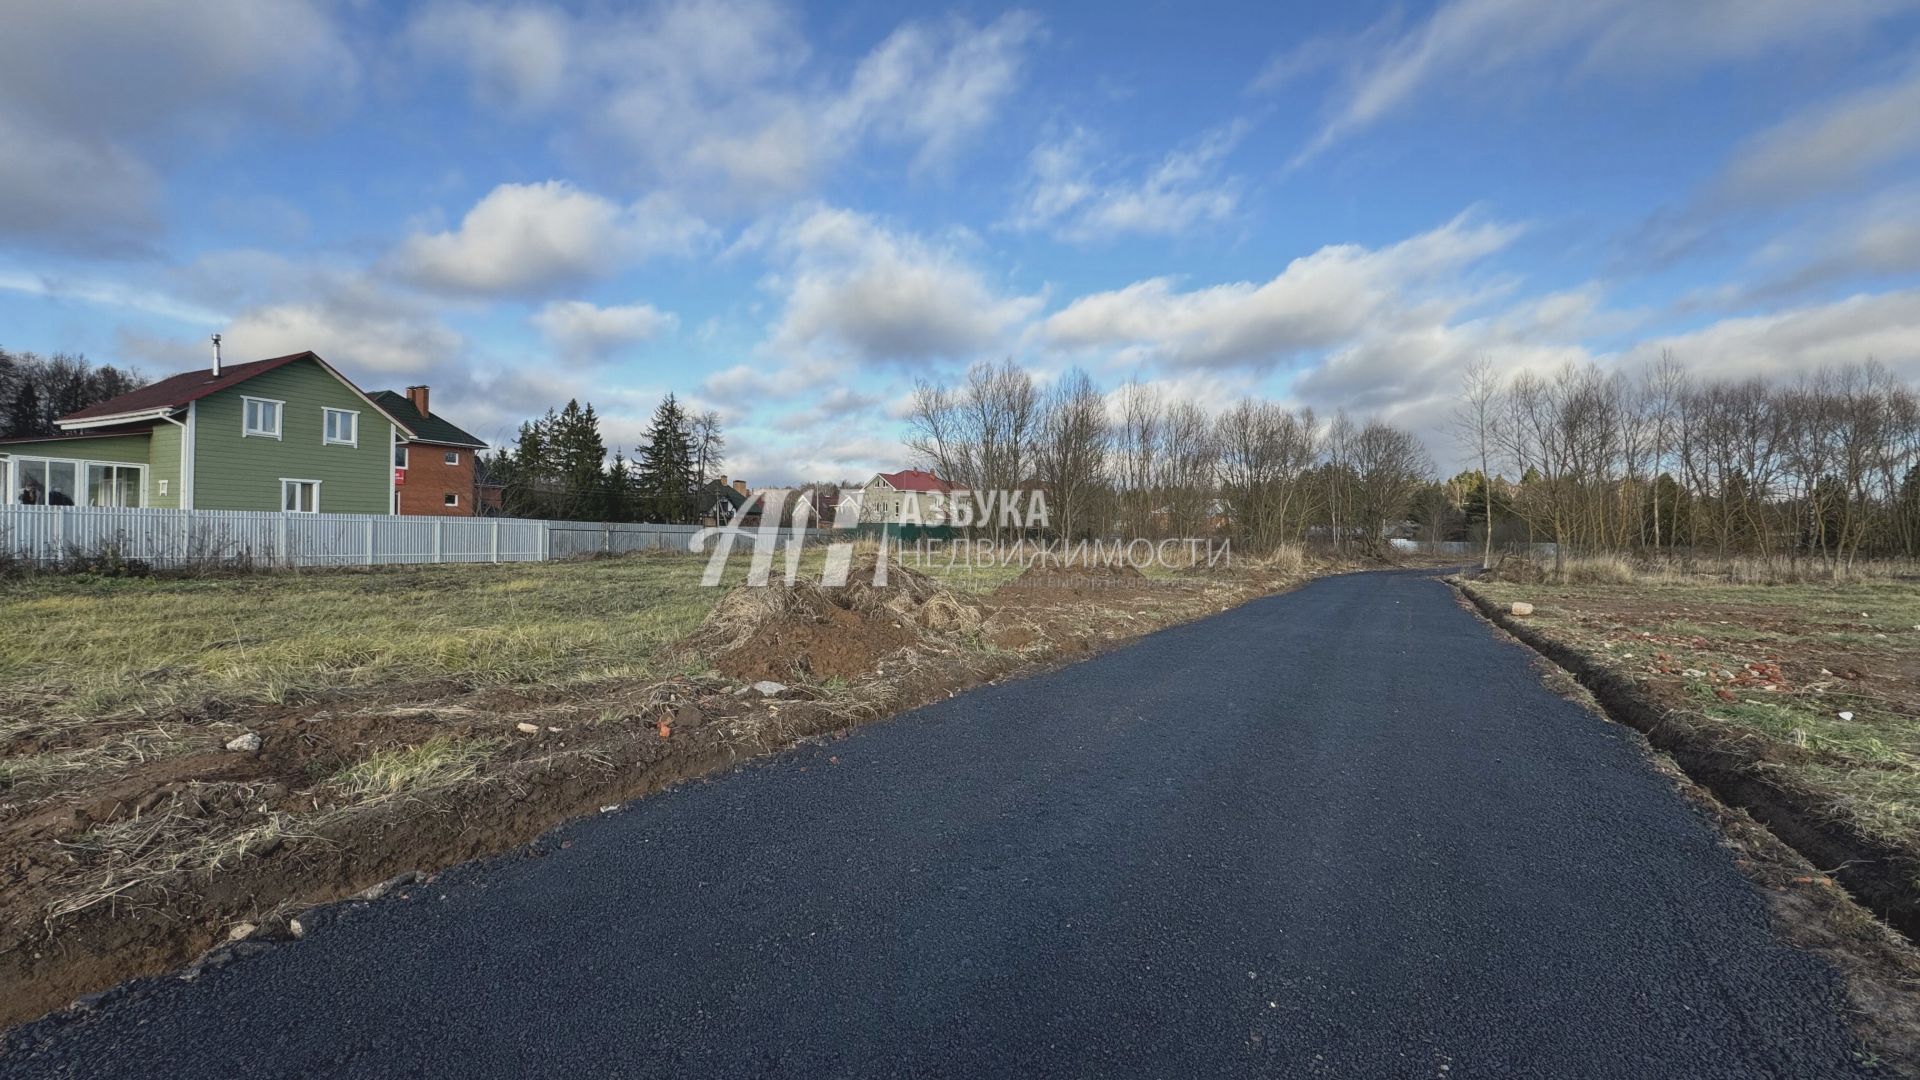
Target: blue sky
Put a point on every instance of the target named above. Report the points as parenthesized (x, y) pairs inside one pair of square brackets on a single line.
[(789, 212)]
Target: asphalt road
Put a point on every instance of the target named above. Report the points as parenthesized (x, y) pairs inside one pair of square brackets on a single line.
[(1341, 832)]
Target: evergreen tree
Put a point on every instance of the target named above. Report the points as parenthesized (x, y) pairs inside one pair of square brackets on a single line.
[(23, 414), (665, 477), (617, 499), (580, 459)]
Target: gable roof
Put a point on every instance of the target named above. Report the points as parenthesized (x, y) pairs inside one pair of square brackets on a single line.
[(428, 428), (179, 391), (914, 480)]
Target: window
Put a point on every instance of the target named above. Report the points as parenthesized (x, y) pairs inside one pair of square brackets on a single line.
[(340, 427), (300, 496), (452, 458), (261, 417), (113, 485), (45, 482), (451, 500), (53, 482), (399, 455)]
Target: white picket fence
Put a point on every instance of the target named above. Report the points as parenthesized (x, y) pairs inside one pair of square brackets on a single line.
[(172, 538), (46, 534), (567, 538)]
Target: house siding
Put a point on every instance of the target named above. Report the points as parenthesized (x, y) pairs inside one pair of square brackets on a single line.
[(124, 449), (236, 472), (430, 480), (163, 463)]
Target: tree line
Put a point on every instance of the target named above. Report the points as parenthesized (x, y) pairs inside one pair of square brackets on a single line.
[(1819, 467), (35, 389), (557, 467), (1137, 463)]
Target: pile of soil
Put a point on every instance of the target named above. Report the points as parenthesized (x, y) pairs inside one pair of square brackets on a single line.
[(809, 633)]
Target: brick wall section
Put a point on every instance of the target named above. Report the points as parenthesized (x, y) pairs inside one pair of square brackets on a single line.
[(430, 479)]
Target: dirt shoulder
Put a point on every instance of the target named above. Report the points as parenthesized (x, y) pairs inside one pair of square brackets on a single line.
[(1786, 715), (1798, 704), (208, 759)]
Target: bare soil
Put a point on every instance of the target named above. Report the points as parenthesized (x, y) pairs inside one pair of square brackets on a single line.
[(138, 867), (1832, 889)]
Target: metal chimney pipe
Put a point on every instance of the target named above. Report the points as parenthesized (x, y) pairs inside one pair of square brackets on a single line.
[(216, 356)]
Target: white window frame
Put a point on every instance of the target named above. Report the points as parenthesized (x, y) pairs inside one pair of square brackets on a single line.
[(11, 473), (85, 465), (327, 413), (284, 481), (451, 498), (452, 457), (279, 418)]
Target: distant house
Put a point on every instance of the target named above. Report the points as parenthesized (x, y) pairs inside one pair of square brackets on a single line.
[(289, 433), (433, 470), (913, 496), (720, 500)]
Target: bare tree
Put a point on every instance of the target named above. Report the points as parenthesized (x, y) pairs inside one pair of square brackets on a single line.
[(1475, 423), (982, 437), (1389, 468), (709, 447), (1070, 454), (1137, 448)]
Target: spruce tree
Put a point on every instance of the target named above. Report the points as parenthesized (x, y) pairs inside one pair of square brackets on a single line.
[(665, 474)]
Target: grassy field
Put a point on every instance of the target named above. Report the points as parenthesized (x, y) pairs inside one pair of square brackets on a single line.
[(1820, 682), (76, 648)]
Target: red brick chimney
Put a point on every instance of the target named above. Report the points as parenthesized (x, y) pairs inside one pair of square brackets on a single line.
[(417, 396), (741, 487)]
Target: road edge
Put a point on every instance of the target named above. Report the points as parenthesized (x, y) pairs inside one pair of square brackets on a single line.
[(1814, 909)]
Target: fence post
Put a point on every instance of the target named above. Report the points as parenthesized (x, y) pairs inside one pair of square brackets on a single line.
[(59, 532), (546, 541), (496, 539), (369, 541), (283, 551), (436, 539)]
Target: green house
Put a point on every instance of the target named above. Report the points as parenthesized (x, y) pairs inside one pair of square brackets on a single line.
[(289, 433)]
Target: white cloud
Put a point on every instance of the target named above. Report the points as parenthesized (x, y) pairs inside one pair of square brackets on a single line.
[(61, 192), (582, 331), (858, 290), (1471, 43), (936, 85), (1829, 145), (766, 460), (1318, 301), (517, 57), (94, 92), (1184, 189), (535, 238), (723, 97), (390, 342), (1885, 326), (109, 293)]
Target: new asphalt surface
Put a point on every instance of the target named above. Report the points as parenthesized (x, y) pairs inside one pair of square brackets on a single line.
[(1341, 832)]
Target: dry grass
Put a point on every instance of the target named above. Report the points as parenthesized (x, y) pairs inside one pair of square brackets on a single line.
[(94, 650), (1286, 560), (166, 845), (438, 762), (33, 774), (1833, 705), (1691, 569)]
